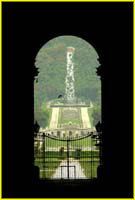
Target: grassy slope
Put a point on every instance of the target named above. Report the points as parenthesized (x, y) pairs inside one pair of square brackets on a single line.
[(50, 115), (90, 110), (77, 121)]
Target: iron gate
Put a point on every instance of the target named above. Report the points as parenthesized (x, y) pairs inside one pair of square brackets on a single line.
[(69, 158)]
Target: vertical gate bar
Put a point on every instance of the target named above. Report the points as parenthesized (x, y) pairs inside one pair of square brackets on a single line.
[(77, 142), (39, 155), (91, 160), (44, 154), (100, 148), (67, 159), (49, 157), (91, 157), (59, 157), (75, 171)]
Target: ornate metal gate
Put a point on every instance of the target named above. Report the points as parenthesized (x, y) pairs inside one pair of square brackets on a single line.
[(69, 158)]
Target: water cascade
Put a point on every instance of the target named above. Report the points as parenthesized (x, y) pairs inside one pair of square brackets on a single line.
[(70, 90)]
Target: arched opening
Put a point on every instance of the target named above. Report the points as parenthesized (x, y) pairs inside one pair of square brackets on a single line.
[(67, 97)]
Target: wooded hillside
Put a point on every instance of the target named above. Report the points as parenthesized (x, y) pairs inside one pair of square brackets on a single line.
[(51, 61)]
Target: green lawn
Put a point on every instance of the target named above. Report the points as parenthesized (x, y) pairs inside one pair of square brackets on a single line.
[(48, 162), (78, 120), (49, 118), (47, 166), (90, 110), (89, 168), (59, 155), (54, 143)]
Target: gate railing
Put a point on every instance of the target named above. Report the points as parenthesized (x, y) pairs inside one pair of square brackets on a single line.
[(56, 157)]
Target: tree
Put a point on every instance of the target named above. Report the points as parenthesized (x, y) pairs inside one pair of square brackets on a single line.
[(96, 114)]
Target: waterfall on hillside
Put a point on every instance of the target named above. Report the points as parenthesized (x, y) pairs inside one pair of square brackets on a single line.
[(70, 90)]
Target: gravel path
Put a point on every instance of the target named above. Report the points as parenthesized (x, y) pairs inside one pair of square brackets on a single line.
[(78, 173), (85, 118), (54, 118)]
